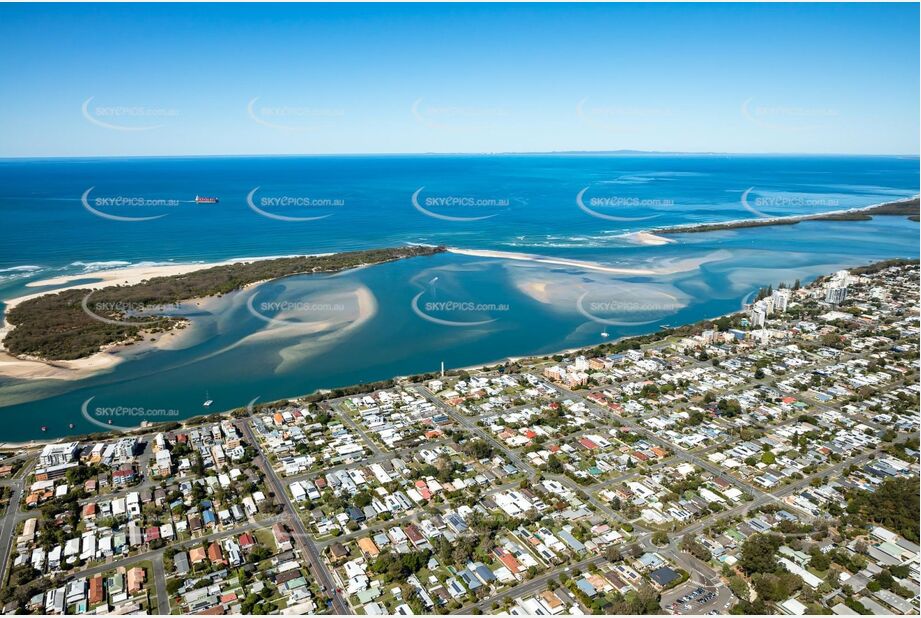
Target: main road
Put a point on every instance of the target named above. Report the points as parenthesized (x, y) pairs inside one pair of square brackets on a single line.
[(340, 606), (11, 516)]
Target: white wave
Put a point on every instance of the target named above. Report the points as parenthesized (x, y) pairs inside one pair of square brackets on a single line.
[(89, 267), (93, 267), (168, 263), (19, 272), (604, 240), (556, 245), (16, 269)]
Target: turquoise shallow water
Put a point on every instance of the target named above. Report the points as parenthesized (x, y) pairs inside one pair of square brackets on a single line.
[(292, 336)]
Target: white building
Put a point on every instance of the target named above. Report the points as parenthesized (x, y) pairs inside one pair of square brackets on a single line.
[(836, 288), (781, 299), (58, 454), (835, 295), (758, 315)]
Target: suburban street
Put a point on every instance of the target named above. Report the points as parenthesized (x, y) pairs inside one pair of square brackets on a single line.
[(339, 604), (12, 516)]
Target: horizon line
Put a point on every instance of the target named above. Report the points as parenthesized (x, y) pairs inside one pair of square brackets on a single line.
[(620, 152)]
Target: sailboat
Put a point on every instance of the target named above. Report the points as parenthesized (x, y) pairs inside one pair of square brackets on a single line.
[(208, 400), (604, 333)]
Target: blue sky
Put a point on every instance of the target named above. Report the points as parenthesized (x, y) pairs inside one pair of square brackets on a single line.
[(126, 80)]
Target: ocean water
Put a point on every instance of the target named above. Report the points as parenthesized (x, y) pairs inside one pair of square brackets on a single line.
[(292, 336)]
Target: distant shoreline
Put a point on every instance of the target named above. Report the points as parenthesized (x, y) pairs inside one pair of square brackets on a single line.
[(908, 207), (614, 153)]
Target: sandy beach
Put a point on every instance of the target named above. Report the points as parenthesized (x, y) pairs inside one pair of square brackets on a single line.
[(648, 238), (129, 275), (23, 369)]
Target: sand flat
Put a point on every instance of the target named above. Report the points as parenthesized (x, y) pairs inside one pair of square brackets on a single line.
[(25, 369), (648, 238)]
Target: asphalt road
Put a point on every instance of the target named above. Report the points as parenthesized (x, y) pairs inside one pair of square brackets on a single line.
[(415, 517), (344, 417), (11, 516), (680, 453), (339, 606), (159, 573), (133, 559), (471, 425), (531, 586)]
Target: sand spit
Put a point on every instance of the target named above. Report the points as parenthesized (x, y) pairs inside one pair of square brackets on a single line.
[(35, 369)]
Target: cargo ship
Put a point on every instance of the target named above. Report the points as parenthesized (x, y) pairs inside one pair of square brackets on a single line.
[(201, 199)]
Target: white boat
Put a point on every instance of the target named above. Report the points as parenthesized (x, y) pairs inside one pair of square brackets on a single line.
[(208, 400)]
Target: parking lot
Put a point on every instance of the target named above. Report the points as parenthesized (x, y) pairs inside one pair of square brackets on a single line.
[(691, 598)]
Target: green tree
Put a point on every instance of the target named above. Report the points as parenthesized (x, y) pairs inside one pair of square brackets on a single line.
[(757, 555), (362, 499), (894, 505), (554, 465)]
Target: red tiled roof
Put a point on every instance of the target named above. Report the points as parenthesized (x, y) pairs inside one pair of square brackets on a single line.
[(246, 540), (96, 591), (509, 561), (214, 553)]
